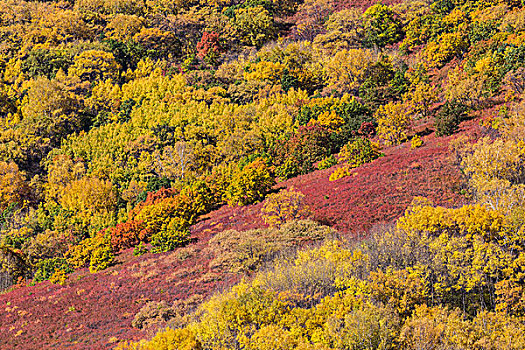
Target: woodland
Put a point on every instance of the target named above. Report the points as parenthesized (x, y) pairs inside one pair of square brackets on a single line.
[(262, 174)]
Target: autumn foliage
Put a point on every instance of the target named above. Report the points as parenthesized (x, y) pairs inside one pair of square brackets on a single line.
[(187, 144), (287, 205)]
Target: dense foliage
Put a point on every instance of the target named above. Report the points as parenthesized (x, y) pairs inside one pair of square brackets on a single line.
[(124, 122), (438, 279)]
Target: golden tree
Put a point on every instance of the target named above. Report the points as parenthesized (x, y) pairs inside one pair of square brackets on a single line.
[(394, 121), (286, 205)]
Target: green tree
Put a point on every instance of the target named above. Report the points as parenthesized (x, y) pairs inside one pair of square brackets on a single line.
[(382, 26)]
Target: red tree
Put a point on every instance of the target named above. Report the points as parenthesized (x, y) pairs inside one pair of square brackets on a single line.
[(209, 48)]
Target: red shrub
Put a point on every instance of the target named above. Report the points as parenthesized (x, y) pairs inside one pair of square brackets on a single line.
[(209, 47), (127, 235), (153, 198), (367, 129)]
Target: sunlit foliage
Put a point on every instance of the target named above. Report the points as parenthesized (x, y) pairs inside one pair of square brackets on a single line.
[(431, 280), (124, 122), (284, 206)]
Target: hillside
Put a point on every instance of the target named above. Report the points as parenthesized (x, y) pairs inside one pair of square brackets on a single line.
[(96, 310), (256, 175)]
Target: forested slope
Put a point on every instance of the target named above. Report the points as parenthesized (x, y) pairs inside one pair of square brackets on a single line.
[(135, 135)]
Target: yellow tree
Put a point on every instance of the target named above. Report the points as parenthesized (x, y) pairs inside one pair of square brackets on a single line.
[(158, 43), (284, 206), (94, 65), (344, 29), (250, 184), (124, 27), (447, 46), (421, 99), (254, 25), (347, 69), (394, 121), (61, 171), (91, 201), (13, 187)]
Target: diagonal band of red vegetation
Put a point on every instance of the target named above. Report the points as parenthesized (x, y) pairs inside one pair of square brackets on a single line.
[(93, 311)]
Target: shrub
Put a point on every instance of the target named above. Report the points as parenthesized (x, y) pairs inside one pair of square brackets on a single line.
[(181, 339), (448, 118), (315, 272), (127, 235), (78, 255), (209, 48), (327, 162), (290, 168), (448, 46), (169, 238), (273, 337), (139, 250), (347, 112), (200, 198), (330, 120), (94, 251), (59, 277), (168, 339), (363, 327), (401, 290), (421, 99), (339, 173), (358, 152), (101, 255), (287, 205), (441, 328), (347, 69), (152, 312), (45, 269), (156, 215), (383, 83), (296, 155), (245, 251), (250, 184), (164, 218), (174, 211), (367, 129), (382, 26), (304, 230), (394, 122), (372, 294), (416, 142), (230, 319)]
